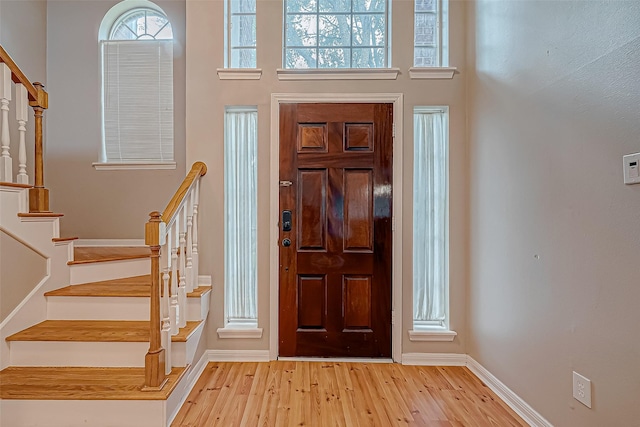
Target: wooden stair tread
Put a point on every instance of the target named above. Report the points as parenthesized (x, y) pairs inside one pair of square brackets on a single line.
[(81, 383), (90, 254), (39, 215), (137, 286), (14, 184), (95, 331), (63, 239)]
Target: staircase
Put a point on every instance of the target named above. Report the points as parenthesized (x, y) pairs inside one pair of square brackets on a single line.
[(73, 352)]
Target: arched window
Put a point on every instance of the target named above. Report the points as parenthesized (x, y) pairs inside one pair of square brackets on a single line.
[(137, 85)]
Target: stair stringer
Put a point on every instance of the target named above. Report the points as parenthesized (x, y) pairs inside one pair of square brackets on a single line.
[(36, 233)]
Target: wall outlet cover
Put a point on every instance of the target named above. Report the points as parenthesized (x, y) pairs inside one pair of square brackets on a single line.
[(582, 389)]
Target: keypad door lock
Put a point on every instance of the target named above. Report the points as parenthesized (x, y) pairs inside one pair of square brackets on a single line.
[(286, 220)]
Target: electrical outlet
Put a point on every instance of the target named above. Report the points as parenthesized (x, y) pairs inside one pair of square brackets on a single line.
[(582, 389)]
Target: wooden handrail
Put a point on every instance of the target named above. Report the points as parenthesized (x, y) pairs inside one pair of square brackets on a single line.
[(198, 169), (37, 97), (39, 101), (163, 316)]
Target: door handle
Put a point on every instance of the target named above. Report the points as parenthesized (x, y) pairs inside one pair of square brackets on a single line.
[(286, 243), (286, 220)]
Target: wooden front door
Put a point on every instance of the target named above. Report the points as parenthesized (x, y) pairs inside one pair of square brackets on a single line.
[(335, 230)]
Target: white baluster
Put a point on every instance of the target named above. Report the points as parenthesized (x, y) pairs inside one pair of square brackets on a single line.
[(6, 165), (189, 247), (182, 286), (164, 308), (194, 234), (22, 116), (174, 313)]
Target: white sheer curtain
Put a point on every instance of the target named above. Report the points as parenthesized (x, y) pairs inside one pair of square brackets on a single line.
[(240, 208), (430, 212)]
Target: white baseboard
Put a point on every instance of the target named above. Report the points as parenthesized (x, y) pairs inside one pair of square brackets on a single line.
[(108, 242), (434, 359), (238, 355), (514, 401)]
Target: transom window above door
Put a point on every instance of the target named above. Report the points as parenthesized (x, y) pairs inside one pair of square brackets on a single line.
[(336, 34)]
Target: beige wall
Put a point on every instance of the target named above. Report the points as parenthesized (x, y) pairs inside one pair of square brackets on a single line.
[(207, 97), (99, 204), (555, 234), (21, 269)]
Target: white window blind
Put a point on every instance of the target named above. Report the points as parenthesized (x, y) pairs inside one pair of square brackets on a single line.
[(430, 218), (137, 101), (240, 214)]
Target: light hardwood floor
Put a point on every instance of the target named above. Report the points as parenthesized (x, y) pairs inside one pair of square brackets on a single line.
[(291, 393)]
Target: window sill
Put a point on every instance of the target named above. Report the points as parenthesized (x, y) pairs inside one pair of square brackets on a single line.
[(432, 72), (339, 74), (235, 332), (443, 335), (134, 166), (239, 73)]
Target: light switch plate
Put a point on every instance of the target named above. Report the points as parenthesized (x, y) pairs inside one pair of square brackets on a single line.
[(631, 168)]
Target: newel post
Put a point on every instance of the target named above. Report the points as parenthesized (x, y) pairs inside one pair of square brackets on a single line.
[(38, 195), (155, 359)]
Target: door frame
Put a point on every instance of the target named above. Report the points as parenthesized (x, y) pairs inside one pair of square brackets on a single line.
[(274, 210)]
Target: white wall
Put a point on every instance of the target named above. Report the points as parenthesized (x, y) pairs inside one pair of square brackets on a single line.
[(555, 234), (207, 96), (99, 204)]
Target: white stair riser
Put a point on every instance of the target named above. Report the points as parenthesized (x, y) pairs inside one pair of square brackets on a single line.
[(99, 271), (75, 353), (115, 308), (65, 353), (77, 413), (183, 354)]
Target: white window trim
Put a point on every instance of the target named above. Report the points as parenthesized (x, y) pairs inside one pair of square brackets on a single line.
[(239, 73), (338, 73), (432, 72), (397, 99)]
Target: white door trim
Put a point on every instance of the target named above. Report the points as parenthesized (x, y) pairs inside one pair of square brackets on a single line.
[(284, 98)]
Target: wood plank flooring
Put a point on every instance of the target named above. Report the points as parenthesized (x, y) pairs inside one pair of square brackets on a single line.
[(290, 393), (66, 383), (95, 331)]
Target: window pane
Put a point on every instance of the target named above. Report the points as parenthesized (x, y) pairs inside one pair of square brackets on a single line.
[(368, 58), (368, 30), (300, 58), (425, 29), (425, 6), (335, 30), (293, 6), (425, 57), (243, 6), (301, 30), (243, 58), (335, 25), (240, 209), (335, 5), (334, 58), (430, 222), (369, 5), (141, 24), (243, 30)]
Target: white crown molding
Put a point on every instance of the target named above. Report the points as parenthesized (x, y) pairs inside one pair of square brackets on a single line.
[(134, 166), (239, 73), (108, 242), (434, 359), (432, 72), (514, 401), (338, 74)]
